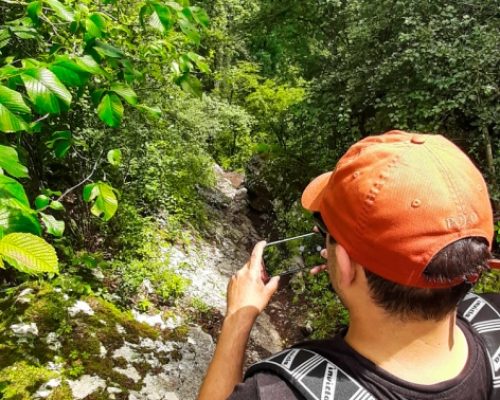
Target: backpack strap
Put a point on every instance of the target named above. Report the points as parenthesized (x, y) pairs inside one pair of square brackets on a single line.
[(314, 376), (485, 320)]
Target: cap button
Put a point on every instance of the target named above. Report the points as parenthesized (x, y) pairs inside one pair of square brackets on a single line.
[(418, 139)]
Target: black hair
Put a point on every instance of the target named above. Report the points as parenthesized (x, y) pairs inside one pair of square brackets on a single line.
[(465, 258)]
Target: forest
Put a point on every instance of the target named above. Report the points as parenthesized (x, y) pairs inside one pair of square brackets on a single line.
[(120, 122)]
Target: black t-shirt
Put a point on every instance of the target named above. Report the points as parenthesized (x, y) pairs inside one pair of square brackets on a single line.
[(473, 383)]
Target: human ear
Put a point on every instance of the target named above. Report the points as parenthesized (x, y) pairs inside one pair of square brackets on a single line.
[(346, 271)]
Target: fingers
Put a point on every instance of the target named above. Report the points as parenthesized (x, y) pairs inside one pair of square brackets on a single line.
[(317, 269), (272, 285), (255, 262), (324, 253)]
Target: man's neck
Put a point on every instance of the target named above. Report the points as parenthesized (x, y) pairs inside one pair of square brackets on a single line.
[(423, 352)]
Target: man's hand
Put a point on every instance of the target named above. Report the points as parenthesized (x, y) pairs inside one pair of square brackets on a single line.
[(248, 293), (250, 289)]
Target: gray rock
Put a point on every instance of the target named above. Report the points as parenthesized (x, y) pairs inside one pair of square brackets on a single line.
[(86, 385), (80, 307), (129, 372), (25, 330)]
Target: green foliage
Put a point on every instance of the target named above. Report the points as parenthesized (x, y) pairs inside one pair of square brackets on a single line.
[(53, 61), (20, 380)]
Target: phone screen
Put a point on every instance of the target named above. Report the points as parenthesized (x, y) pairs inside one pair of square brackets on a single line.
[(291, 255)]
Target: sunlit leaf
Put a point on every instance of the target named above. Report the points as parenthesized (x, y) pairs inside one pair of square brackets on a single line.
[(152, 111), (9, 161), (34, 9), (114, 157), (11, 188), (45, 90), (16, 217), (104, 198), (110, 110), (126, 92), (41, 201), (60, 10), (52, 225), (12, 104), (28, 253)]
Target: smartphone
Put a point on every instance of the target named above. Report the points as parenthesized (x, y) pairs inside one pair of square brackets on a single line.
[(294, 254)]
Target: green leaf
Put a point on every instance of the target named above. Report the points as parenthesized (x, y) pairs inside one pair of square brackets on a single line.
[(115, 157), (173, 5), (88, 192), (42, 202), (95, 25), (105, 201), (11, 104), (11, 188), (4, 37), (8, 71), (190, 31), (69, 72), (16, 217), (28, 253), (60, 10), (126, 92), (190, 84), (110, 110), (45, 90), (199, 61), (56, 205), (60, 142), (9, 161), (163, 15), (53, 226), (88, 64), (154, 112), (105, 49), (200, 16), (34, 10)]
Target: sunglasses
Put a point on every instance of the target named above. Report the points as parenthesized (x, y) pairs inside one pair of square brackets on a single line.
[(320, 224)]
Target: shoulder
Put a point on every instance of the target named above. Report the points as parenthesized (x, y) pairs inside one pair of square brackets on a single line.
[(264, 386)]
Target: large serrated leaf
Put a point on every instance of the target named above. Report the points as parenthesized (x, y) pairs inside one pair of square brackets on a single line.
[(126, 92), (45, 90), (54, 227), (110, 110), (15, 217), (9, 161), (28, 253), (13, 100), (11, 188), (12, 104), (105, 201), (60, 10)]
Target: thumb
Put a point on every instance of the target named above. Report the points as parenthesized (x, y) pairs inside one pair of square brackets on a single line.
[(272, 285)]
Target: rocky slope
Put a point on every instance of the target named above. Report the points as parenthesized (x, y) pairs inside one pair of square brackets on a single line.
[(55, 344)]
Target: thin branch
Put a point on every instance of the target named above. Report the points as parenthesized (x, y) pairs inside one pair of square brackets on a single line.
[(94, 168), (41, 118)]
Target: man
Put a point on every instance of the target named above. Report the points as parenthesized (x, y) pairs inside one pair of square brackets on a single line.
[(409, 231)]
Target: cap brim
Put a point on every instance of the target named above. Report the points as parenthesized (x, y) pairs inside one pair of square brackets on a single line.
[(313, 193), (494, 263)]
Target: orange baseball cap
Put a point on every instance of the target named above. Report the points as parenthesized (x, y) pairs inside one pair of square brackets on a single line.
[(395, 200)]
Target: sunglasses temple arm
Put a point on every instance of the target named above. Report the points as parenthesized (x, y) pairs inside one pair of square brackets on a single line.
[(292, 238)]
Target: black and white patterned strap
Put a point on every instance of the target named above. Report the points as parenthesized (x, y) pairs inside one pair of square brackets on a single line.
[(314, 376), (485, 320)]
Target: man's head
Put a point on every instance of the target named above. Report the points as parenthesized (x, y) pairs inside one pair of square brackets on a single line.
[(395, 202)]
